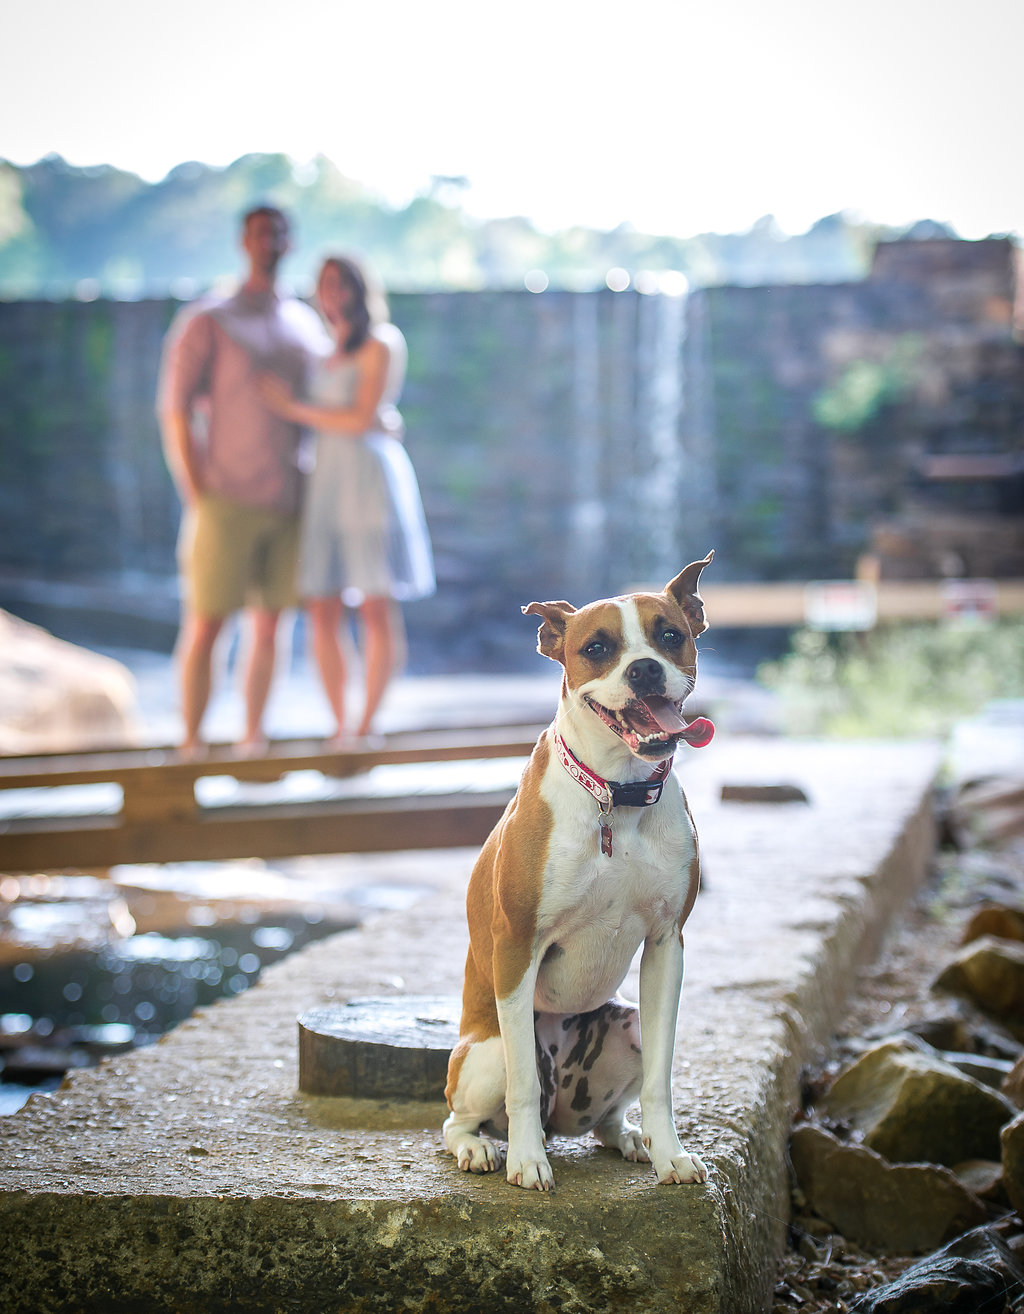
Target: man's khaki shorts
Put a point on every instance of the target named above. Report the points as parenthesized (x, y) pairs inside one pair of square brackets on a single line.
[(233, 556)]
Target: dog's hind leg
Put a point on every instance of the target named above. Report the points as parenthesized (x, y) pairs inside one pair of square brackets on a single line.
[(617, 1132), (621, 1070), (476, 1096), (598, 1074)]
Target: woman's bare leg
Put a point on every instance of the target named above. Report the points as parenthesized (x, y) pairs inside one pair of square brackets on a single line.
[(378, 655), (325, 616)]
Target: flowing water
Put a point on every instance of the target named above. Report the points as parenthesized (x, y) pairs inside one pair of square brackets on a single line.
[(93, 963)]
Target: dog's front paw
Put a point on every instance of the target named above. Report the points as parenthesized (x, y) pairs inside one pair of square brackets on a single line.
[(681, 1168), (534, 1174), (626, 1139), (633, 1148)]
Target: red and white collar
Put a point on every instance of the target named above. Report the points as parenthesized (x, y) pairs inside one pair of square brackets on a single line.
[(614, 793)]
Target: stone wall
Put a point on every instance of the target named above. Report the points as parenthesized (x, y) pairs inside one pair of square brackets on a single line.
[(544, 431), (826, 407), (567, 444)]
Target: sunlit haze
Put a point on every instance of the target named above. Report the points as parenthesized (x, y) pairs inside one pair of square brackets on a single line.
[(672, 116)]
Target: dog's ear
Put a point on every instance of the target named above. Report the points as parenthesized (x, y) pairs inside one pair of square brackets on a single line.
[(684, 590), (551, 635)]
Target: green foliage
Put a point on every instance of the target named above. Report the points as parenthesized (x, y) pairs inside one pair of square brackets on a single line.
[(896, 681), (99, 345), (61, 227), (865, 386)]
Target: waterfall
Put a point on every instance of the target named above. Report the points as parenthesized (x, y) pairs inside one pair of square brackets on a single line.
[(584, 568), (668, 539)]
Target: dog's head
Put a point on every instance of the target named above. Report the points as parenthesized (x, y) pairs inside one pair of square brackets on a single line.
[(631, 661)]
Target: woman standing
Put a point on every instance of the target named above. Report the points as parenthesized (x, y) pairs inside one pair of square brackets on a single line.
[(364, 538)]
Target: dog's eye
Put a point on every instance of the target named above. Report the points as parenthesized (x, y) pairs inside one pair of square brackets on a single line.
[(672, 638), (596, 648)]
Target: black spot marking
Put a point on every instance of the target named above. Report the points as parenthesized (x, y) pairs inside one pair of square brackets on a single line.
[(548, 1079), (578, 1053), (603, 1026), (567, 1081), (581, 1096)]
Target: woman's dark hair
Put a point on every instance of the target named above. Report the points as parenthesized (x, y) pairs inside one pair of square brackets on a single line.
[(367, 306)]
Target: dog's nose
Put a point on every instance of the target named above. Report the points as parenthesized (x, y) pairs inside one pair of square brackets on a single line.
[(645, 675)]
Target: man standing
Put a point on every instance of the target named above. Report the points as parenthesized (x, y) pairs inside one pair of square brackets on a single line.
[(236, 467)]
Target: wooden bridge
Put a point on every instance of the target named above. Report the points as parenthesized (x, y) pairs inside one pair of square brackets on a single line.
[(160, 819), (789, 603)]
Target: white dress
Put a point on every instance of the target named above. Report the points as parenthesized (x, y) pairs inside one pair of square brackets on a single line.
[(363, 528)]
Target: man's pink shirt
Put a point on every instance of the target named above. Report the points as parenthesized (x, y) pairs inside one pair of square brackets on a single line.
[(213, 353)]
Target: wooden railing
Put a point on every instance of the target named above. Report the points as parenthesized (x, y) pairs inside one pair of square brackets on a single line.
[(160, 820)]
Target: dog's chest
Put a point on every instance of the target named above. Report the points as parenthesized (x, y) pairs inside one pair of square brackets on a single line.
[(592, 921), (652, 849), (640, 882), (595, 910)]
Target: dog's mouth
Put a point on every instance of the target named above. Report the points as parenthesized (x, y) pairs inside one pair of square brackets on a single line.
[(650, 726)]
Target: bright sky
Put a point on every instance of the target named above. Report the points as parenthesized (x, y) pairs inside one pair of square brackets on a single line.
[(676, 116)]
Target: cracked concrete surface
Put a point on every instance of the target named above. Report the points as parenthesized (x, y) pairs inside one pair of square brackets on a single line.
[(194, 1176)]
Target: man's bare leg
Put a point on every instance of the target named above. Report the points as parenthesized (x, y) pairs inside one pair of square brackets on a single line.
[(195, 662), (259, 673)]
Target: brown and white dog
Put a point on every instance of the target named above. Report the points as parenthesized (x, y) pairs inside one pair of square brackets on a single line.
[(587, 864)]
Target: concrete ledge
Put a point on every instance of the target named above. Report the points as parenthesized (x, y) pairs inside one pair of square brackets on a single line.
[(193, 1176)]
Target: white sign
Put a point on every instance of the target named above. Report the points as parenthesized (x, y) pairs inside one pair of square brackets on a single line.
[(840, 604), (969, 601)]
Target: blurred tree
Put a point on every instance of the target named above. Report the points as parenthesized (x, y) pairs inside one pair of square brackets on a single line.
[(66, 230)]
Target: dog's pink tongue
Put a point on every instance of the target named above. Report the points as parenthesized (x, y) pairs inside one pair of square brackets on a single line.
[(665, 714), (698, 733)]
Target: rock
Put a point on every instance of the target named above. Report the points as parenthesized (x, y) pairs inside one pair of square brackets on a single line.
[(966, 1030), (989, 1071), (974, 1272), (946, 1031), (781, 793), (31, 1064), (995, 919), (989, 811), (911, 1106), (982, 1177), (57, 697), (1013, 1161), (895, 1208), (1013, 1084), (990, 973), (938, 1286)]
